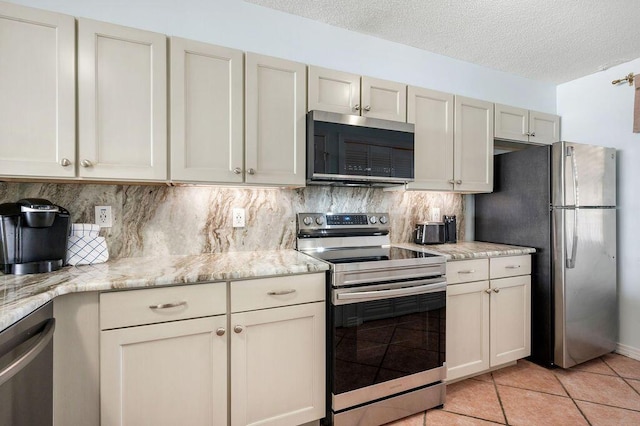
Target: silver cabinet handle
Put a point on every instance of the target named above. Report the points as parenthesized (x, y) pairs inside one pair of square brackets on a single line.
[(281, 292), (238, 329), (496, 290), (512, 267), (220, 331), (86, 163), (168, 305), (356, 107), (251, 171), (367, 108), (458, 182), (65, 162), (533, 134), (451, 181), (237, 170), (488, 291), (470, 271), (39, 344)]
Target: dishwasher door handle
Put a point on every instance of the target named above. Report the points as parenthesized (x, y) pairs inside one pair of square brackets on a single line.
[(40, 342)]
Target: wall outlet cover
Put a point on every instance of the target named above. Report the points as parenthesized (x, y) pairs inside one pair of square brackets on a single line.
[(103, 216), (238, 217)]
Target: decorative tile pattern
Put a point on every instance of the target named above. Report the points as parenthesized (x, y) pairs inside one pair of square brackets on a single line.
[(525, 395)]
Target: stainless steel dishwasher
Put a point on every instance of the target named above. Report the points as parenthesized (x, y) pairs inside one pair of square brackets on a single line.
[(26, 370)]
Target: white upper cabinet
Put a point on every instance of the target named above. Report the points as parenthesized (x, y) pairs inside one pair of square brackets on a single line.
[(275, 121), (473, 145), (432, 114), (334, 91), (37, 83), (523, 125), (543, 128), (206, 103), (122, 102), (345, 93)]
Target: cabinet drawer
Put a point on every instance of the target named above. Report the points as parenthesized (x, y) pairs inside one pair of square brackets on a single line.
[(510, 266), (136, 307), (462, 271), (277, 291)]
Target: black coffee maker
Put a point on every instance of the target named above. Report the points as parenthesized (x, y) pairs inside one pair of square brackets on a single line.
[(33, 236)]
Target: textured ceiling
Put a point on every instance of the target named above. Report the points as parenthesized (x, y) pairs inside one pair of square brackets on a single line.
[(547, 40)]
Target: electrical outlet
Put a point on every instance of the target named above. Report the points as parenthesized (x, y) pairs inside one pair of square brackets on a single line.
[(238, 217), (103, 216)]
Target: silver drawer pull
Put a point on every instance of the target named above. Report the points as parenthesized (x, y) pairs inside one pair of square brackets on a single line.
[(470, 271), (168, 305), (281, 292), (512, 267)]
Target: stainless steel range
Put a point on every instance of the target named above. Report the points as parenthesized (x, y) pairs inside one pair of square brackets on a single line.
[(385, 322)]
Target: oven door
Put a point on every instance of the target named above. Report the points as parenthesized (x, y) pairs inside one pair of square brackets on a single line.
[(386, 339)]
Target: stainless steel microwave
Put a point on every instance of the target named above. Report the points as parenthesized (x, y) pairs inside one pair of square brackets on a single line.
[(359, 151)]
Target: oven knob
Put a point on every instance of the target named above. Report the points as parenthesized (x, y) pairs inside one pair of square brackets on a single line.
[(373, 219), (319, 220), (383, 220), (307, 220)]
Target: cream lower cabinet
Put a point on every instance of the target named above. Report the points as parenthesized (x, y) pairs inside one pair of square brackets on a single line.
[(167, 373), (523, 125), (488, 314), (37, 86), (278, 354)]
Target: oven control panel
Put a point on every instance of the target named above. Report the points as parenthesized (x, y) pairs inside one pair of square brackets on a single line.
[(342, 220)]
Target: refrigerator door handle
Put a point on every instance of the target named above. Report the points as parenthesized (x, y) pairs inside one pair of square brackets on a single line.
[(571, 261), (574, 174)]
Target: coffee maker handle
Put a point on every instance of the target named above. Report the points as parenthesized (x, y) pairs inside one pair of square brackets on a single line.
[(418, 233)]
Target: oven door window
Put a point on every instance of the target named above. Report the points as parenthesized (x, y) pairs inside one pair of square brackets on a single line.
[(387, 339)]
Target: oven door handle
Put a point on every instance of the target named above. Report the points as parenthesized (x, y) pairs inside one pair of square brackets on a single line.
[(396, 292)]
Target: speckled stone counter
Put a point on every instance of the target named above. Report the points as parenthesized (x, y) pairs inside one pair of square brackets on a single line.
[(471, 250), (22, 294)]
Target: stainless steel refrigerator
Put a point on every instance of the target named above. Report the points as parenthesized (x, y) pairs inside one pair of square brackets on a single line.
[(561, 200)]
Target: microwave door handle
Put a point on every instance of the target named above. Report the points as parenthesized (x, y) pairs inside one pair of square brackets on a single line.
[(384, 294)]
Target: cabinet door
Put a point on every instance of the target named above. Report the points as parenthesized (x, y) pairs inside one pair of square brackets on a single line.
[(510, 319), (432, 114), (473, 145), (164, 374), (122, 85), (334, 91), (544, 128), (467, 329), (278, 365), (511, 123), (37, 83), (275, 121), (206, 112), (384, 99)]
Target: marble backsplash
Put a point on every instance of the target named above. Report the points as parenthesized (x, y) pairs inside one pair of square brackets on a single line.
[(187, 220)]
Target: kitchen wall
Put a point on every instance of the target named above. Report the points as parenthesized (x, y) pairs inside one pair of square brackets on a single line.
[(159, 220), (249, 27), (595, 112)]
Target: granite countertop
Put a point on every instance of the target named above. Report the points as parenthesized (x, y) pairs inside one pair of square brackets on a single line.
[(465, 250), (22, 294)]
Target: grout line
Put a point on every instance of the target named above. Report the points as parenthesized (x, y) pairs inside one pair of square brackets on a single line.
[(607, 405), (495, 387)]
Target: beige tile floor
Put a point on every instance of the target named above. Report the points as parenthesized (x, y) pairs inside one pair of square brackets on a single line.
[(605, 391)]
